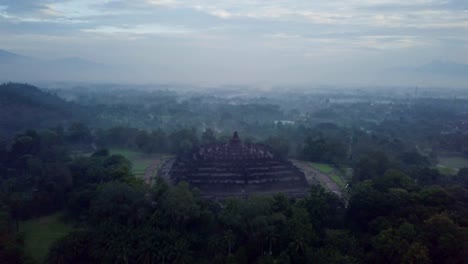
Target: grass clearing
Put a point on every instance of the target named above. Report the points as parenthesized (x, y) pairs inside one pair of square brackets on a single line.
[(334, 174), (139, 165), (140, 160), (338, 180), (129, 154), (40, 233), (322, 167), (446, 170), (454, 162)]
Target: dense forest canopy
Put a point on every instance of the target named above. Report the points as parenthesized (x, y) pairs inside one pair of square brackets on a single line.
[(398, 205), (232, 132)]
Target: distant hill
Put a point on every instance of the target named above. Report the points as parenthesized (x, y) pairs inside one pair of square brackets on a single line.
[(444, 67), (435, 73), (23, 106), (75, 61), (6, 57), (17, 67)]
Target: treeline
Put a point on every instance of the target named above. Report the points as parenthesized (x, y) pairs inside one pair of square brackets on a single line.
[(38, 176), (23, 106), (37, 172), (391, 218), (310, 146), (156, 141), (394, 215), (339, 133), (325, 142)]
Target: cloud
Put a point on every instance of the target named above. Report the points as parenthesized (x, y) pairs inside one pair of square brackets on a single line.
[(144, 29), (22, 6), (386, 13), (170, 3), (233, 33)]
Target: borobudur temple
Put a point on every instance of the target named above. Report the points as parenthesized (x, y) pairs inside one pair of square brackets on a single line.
[(238, 169)]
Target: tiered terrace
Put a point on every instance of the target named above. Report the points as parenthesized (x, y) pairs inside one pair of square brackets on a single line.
[(238, 169)]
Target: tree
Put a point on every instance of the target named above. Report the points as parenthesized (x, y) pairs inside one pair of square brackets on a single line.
[(183, 140), (180, 206), (413, 158), (445, 240), (324, 150), (388, 247), (11, 250), (208, 136), (416, 253), (119, 203), (76, 248), (324, 208), (301, 235), (343, 241), (280, 145), (103, 152), (392, 179), (462, 177), (79, 133), (427, 176), (371, 166), (367, 204)]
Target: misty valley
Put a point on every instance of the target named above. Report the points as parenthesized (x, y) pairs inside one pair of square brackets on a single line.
[(108, 173), (233, 132)]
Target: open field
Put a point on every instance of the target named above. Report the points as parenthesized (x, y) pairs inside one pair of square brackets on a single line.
[(141, 162), (454, 162), (322, 167), (40, 233), (129, 154), (446, 170), (334, 174), (449, 165)]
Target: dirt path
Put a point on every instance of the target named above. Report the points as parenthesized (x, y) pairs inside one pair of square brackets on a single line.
[(161, 165), (151, 171), (313, 175)]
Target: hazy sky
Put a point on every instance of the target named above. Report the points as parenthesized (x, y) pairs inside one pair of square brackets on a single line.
[(241, 41)]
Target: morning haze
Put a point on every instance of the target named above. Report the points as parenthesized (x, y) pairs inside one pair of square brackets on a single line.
[(235, 131), (238, 42)]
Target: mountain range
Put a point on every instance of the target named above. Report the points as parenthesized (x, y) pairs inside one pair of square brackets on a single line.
[(443, 67), (18, 67)]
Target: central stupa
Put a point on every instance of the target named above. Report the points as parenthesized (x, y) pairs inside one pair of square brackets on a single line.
[(236, 168)]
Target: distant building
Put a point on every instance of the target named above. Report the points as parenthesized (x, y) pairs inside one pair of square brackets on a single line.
[(284, 122)]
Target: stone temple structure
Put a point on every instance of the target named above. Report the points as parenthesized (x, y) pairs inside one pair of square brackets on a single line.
[(238, 169)]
